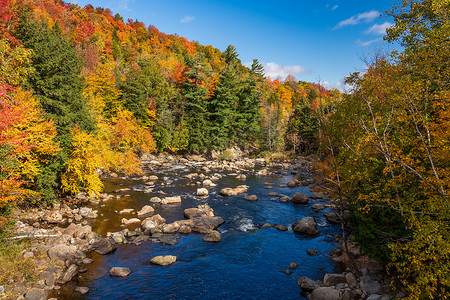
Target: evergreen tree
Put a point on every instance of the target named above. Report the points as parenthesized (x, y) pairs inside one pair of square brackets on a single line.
[(195, 96), (223, 106), (56, 81)]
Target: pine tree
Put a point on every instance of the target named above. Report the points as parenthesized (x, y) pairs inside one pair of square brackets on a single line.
[(194, 93)]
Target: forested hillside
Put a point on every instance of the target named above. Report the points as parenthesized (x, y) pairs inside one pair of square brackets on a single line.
[(82, 89)]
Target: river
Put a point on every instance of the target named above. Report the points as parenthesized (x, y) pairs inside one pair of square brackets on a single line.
[(248, 263)]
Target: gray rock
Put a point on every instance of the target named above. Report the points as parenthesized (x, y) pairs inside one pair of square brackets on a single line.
[(168, 239), (213, 236), (306, 225), (333, 279), (104, 246), (333, 218), (308, 284), (82, 290), (120, 272), (48, 278), (36, 294), (163, 260), (273, 194), (325, 293), (61, 252), (171, 228), (251, 197), (300, 198), (369, 285), (2, 289), (67, 276), (292, 184)]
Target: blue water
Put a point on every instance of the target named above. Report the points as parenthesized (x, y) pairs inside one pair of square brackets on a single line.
[(247, 263)]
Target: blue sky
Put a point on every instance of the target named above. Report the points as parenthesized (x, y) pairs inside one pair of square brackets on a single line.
[(314, 40)]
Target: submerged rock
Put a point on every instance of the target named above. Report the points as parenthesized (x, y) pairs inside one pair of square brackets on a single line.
[(120, 272), (82, 290), (251, 197), (163, 260)]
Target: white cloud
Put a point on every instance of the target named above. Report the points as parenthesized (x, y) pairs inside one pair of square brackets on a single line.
[(379, 28), (123, 5), (368, 43), (365, 17), (335, 7), (187, 19), (276, 71)]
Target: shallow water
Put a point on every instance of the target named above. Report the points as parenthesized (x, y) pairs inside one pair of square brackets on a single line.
[(247, 263)]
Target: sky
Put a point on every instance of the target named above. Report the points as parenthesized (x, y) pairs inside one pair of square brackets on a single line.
[(314, 40)]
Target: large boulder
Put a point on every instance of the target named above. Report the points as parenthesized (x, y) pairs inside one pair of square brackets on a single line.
[(369, 284), (119, 272), (171, 200), (200, 211), (234, 192), (126, 221), (205, 224), (300, 198), (308, 284), (171, 228), (325, 293), (145, 211), (213, 237), (306, 225), (333, 279), (62, 252), (104, 246), (163, 260)]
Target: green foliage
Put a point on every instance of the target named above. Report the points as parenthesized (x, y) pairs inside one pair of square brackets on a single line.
[(195, 106), (56, 80)]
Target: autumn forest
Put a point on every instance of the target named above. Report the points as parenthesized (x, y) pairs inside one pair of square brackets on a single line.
[(81, 89)]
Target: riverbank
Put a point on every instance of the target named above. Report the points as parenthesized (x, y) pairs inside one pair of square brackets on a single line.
[(65, 235)]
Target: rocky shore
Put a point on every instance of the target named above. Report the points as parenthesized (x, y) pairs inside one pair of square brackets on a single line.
[(62, 233)]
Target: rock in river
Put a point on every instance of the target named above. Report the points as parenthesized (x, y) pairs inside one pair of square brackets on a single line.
[(326, 293), (300, 198), (306, 225), (145, 211), (251, 197), (120, 272), (104, 246), (213, 236), (202, 192), (234, 192), (171, 200), (163, 260)]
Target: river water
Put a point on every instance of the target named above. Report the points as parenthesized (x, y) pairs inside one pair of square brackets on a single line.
[(247, 264)]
